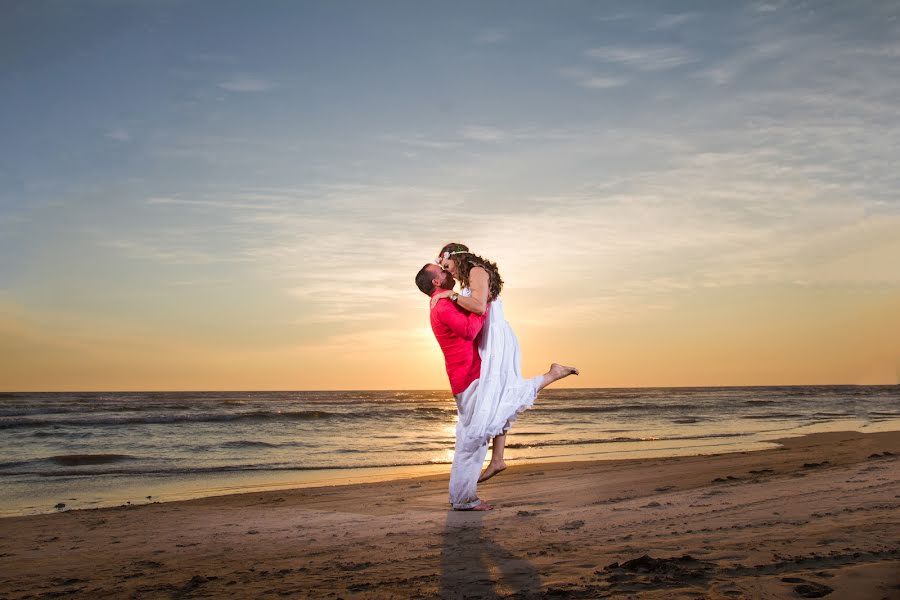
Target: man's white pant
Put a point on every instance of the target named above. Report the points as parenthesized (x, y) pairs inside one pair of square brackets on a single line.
[(466, 462), (486, 409)]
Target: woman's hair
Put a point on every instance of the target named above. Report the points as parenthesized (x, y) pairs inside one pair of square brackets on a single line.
[(465, 260)]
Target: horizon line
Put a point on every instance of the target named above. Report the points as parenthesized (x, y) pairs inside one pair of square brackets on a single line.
[(647, 387)]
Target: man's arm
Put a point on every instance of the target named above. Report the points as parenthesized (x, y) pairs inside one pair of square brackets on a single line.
[(462, 323)]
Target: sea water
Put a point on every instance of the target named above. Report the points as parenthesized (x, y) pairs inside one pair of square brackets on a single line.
[(100, 449)]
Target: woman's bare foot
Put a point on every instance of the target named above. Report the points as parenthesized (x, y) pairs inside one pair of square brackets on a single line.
[(557, 372), (492, 469), (482, 505)]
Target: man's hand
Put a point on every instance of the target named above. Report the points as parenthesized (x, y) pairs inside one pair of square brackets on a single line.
[(445, 294)]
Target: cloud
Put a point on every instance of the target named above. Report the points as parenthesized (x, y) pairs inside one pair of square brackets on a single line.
[(478, 133), (482, 133), (612, 17), (754, 53), (210, 57), (246, 84), (491, 36), (418, 140), (672, 21), (601, 83), (184, 253), (793, 178), (254, 202), (765, 7), (643, 58), (592, 81), (118, 134), (325, 245), (885, 51)]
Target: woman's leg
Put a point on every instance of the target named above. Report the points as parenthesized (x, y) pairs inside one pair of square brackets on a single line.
[(496, 465), (497, 448), (557, 372)]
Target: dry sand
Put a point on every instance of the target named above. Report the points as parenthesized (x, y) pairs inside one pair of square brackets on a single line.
[(817, 516)]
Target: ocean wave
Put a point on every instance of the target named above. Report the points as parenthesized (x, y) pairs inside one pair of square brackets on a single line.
[(258, 415), (107, 418), (75, 460), (68, 460), (433, 410), (661, 407), (619, 440), (175, 471), (45, 410), (776, 416), (60, 433), (250, 444)]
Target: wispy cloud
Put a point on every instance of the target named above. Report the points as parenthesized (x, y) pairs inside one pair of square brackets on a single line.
[(723, 206), (672, 21), (118, 134), (728, 69), (328, 246), (592, 81), (607, 17), (246, 84), (491, 36), (891, 50), (482, 133), (418, 140), (644, 58), (210, 57), (184, 254), (765, 7), (237, 201)]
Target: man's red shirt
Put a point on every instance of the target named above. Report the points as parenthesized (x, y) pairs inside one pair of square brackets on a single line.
[(457, 332)]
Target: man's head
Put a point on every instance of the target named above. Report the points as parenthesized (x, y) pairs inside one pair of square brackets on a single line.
[(431, 277)]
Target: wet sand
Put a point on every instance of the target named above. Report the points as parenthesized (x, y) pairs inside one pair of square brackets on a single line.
[(817, 517)]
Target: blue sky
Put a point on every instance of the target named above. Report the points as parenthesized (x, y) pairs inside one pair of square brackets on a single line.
[(265, 178)]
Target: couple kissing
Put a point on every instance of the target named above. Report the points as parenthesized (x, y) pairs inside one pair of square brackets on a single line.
[(483, 363)]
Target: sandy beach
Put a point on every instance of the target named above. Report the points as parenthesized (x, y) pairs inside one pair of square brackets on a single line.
[(817, 517)]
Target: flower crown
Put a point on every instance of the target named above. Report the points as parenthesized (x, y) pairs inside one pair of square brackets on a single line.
[(448, 254)]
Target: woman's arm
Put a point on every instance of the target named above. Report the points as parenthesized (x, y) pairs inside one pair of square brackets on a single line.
[(479, 284)]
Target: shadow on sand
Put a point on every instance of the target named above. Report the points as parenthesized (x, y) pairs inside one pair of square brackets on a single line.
[(475, 566)]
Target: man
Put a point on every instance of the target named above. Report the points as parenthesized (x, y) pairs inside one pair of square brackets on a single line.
[(457, 332)]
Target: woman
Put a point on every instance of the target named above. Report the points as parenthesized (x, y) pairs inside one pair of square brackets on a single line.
[(502, 393)]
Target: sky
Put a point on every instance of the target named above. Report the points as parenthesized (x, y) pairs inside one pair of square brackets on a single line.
[(236, 196)]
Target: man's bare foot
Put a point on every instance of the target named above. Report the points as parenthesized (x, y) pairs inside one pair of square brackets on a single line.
[(492, 470), (482, 505)]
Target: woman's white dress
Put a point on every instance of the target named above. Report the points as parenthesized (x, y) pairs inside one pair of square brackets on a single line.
[(488, 407)]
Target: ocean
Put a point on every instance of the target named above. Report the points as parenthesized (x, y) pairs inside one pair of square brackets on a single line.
[(101, 449)]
